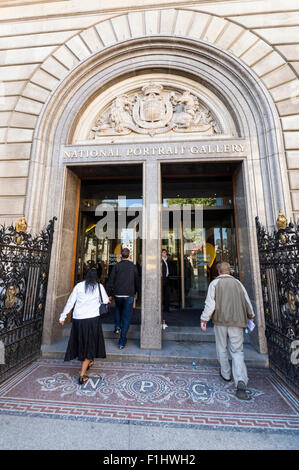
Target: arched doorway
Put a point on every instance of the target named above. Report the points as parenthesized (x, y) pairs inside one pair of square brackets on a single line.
[(253, 119)]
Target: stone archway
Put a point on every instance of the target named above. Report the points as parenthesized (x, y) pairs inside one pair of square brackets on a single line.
[(175, 23), (253, 111)]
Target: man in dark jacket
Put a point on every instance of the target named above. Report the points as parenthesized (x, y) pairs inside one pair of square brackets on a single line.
[(123, 284)]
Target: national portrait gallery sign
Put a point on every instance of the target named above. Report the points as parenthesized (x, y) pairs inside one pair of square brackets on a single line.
[(124, 151)]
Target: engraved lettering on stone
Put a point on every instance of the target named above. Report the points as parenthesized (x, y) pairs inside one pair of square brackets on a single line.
[(155, 110)]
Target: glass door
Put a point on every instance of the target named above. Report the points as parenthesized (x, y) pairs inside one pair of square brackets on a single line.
[(195, 242), (110, 219)]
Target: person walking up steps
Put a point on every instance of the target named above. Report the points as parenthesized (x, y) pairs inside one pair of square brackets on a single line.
[(86, 340), (229, 306), (123, 284)]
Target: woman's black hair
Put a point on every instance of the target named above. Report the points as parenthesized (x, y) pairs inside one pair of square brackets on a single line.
[(91, 280)]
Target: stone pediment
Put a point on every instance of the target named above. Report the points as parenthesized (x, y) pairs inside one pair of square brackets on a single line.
[(154, 109)]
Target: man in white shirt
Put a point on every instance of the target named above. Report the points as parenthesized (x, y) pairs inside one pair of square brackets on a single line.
[(228, 305)]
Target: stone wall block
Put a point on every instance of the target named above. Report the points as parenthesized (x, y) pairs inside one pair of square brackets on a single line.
[(23, 120), (269, 63), (136, 23), (183, 22), (17, 72), (293, 159), (10, 169), (270, 19), (24, 56), (5, 117), (167, 21), (106, 33), (52, 66), (7, 103), (16, 151), (33, 40), (35, 92), (12, 88), (91, 38), (256, 53), (278, 76), (294, 179), (285, 91), (45, 80), (214, 29), (152, 22), (66, 57), (77, 46), (16, 134), (290, 52), (229, 36), (291, 140), (3, 131), (13, 186), (26, 105), (282, 35), (121, 27), (11, 206), (295, 200), (244, 42)]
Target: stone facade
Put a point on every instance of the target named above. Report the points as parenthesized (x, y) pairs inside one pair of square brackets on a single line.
[(56, 56)]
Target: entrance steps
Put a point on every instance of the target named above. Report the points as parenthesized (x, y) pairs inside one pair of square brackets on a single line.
[(179, 345)]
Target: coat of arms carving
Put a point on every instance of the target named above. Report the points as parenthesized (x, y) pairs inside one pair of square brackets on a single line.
[(154, 110)]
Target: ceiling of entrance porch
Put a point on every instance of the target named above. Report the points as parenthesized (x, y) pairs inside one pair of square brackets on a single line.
[(153, 105)]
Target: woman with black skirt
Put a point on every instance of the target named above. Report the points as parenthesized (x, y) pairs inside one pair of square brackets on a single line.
[(86, 340)]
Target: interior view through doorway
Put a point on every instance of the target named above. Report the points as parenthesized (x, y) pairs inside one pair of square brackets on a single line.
[(194, 249), (193, 252), (109, 219)]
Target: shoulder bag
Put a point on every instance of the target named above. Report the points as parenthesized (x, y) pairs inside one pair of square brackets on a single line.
[(103, 308)]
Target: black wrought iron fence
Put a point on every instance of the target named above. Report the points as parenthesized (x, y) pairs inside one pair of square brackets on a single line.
[(279, 262), (24, 269)]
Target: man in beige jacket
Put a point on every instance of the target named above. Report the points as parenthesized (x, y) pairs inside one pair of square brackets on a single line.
[(229, 306)]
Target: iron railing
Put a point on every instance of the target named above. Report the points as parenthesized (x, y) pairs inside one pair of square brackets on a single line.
[(24, 269), (279, 262)]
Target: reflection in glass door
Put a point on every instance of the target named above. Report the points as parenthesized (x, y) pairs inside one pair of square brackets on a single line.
[(194, 251), (110, 220)]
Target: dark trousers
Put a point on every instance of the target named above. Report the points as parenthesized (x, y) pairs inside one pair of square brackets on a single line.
[(165, 294), (123, 315)]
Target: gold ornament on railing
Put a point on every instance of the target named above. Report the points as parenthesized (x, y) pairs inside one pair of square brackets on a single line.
[(281, 221), (11, 297), (281, 224), (21, 227)]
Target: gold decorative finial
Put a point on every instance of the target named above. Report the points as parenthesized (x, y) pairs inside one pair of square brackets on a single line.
[(21, 225), (281, 221)]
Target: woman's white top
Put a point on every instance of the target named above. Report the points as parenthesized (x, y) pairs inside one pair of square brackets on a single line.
[(86, 304)]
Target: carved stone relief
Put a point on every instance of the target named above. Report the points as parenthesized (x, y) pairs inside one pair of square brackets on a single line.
[(154, 110)]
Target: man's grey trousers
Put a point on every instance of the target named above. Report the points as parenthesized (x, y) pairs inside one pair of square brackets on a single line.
[(229, 338)]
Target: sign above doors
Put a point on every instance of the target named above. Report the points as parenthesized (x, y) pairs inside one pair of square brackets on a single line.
[(173, 150)]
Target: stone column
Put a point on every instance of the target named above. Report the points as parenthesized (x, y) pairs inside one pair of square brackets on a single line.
[(151, 332)]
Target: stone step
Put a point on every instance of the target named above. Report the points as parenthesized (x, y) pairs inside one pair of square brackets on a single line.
[(171, 333), (171, 352)]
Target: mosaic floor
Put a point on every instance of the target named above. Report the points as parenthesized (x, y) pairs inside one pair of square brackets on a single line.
[(183, 395)]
